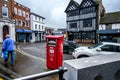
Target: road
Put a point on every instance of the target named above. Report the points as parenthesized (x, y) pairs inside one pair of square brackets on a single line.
[(39, 50)]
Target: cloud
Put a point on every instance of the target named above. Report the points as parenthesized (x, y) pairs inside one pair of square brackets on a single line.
[(53, 10)]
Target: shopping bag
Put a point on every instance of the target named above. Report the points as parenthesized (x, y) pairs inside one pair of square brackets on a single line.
[(4, 55)]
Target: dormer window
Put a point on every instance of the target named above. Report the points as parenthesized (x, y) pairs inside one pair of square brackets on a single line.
[(4, 11)]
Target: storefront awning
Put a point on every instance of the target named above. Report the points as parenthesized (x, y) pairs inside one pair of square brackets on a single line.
[(24, 31), (109, 31), (19, 30), (27, 31)]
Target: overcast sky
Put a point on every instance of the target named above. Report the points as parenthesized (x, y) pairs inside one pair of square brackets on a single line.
[(53, 10)]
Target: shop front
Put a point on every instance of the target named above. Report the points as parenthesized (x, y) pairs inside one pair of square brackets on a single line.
[(23, 35)]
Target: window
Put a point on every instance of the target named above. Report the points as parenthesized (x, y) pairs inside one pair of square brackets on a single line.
[(24, 14), (42, 27), (117, 49), (39, 18), (87, 10), (87, 23), (73, 13), (19, 22), (15, 10), (35, 26), (27, 23), (23, 24), (19, 12), (35, 17), (73, 25), (27, 14), (39, 26), (4, 11), (108, 26), (109, 48)]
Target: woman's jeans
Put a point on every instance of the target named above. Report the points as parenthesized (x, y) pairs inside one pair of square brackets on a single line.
[(12, 57)]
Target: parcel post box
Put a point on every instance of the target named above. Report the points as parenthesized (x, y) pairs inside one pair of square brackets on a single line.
[(54, 51)]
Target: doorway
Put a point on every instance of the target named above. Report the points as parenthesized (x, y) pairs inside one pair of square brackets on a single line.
[(5, 31)]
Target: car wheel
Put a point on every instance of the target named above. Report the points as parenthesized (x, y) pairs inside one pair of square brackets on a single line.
[(83, 56)]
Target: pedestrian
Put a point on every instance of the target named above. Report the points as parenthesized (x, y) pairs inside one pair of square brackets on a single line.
[(9, 47)]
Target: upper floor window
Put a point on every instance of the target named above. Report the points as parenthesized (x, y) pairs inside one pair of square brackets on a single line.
[(23, 24), (39, 26), (4, 11), (42, 27), (35, 17), (19, 12), (15, 10), (27, 14), (73, 25), (39, 18), (24, 14), (87, 10), (87, 23), (108, 26), (19, 23), (73, 13), (35, 26)]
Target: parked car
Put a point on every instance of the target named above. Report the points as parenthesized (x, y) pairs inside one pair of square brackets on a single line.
[(69, 46), (98, 49)]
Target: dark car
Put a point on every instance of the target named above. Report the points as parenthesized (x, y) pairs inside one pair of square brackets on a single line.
[(69, 47)]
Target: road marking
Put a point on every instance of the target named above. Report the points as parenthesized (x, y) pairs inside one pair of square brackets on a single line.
[(1, 79), (27, 54)]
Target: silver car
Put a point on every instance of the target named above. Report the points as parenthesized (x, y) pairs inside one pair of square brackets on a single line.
[(98, 49)]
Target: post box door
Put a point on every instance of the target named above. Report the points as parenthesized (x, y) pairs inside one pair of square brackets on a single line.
[(51, 53)]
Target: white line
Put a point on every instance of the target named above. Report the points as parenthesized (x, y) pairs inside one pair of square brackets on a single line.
[(27, 54)]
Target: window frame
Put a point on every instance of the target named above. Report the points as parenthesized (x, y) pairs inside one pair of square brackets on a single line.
[(4, 11)]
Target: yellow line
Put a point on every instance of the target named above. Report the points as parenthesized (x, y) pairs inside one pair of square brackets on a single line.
[(1, 79)]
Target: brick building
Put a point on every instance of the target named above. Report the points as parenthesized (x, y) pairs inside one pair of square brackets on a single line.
[(7, 24), (21, 14)]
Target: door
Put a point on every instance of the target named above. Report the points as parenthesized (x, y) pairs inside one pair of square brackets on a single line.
[(5, 31)]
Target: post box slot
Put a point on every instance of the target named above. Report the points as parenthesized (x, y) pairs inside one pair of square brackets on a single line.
[(52, 42)]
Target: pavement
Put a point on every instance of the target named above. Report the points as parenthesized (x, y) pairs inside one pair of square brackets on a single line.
[(25, 65)]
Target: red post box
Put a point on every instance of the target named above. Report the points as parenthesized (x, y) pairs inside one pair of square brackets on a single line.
[(54, 51)]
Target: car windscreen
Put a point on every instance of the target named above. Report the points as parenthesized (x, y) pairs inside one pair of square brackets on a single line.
[(94, 46)]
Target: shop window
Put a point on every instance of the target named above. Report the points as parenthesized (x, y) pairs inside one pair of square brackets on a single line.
[(4, 11)]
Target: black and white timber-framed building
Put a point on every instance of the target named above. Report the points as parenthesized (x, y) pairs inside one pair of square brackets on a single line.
[(83, 20)]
